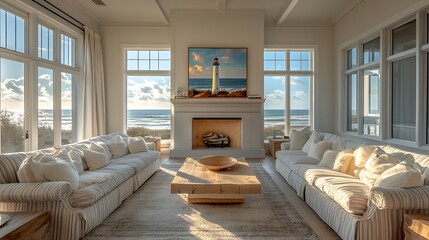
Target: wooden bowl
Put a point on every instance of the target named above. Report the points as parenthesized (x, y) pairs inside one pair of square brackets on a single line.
[(216, 163)]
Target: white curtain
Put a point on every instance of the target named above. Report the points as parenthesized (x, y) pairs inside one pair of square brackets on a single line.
[(94, 110)]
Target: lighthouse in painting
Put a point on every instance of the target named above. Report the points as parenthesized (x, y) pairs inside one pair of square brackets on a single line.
[(215, 80)]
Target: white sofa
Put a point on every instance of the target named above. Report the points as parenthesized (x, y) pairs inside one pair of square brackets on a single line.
[(75, 213), (350, 207)]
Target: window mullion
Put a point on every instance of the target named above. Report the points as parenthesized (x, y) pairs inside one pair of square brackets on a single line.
[(57, 107)]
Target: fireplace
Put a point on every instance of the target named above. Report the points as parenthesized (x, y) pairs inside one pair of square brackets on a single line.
[(228, 126), (239, 118)]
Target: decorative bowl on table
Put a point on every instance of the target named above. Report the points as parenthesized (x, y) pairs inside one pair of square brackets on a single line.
[(217, 163)]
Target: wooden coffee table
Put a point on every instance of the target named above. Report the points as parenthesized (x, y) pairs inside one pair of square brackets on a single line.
[(206, 186)]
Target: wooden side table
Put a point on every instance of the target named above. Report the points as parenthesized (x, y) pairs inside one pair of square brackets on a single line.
[(416, 226), (274, 145), (155, 140), (26, 226)]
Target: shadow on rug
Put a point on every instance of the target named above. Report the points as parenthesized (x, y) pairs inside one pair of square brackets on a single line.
[(153, 213)]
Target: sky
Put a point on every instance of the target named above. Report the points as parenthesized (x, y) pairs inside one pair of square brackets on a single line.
[(275, 92), (232, 62), (148, 92)]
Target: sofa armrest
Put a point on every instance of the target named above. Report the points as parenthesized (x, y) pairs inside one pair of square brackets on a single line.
[(400, 198), (31, 192), (285, 146)]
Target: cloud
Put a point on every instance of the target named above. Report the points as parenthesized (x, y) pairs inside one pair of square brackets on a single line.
[(148, 92), (300, 96), (12, 91), (15, 85), (225, 59), (276, 95), (197, 58)]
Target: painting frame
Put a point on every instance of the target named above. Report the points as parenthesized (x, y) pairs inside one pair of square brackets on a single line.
[(218, 72)]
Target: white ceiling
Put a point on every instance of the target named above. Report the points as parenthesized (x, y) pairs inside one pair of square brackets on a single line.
[(277, 12)]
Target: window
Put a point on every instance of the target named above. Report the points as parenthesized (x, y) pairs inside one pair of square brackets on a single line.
[(46, 43), (68, 50), (12, 31), (148, 60), (404, 37), (288, 80), (148, 92), (363, 88), (12, 114), (46, 117)]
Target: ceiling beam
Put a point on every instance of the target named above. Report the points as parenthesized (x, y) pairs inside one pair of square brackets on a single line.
[(287, 11), (221, 5), (163, 16)]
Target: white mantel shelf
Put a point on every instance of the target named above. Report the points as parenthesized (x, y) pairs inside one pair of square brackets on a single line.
[(249, 110)]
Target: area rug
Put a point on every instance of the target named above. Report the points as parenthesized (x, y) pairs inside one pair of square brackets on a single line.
[(153, 213)]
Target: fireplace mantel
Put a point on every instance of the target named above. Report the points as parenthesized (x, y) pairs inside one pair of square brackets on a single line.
[(249, 110)]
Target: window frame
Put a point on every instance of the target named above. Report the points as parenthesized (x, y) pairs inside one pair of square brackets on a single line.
[(126, 72), (32, 61), (287, 74)]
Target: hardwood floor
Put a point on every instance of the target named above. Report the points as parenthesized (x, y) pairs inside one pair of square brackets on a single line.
[(322, 230)]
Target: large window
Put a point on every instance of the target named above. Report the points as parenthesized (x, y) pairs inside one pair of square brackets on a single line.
[(362, 81), (403, 82), (38, 94), (148, 92), (288, 80)]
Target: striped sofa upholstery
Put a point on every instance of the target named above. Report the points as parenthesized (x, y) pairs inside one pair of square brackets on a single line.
[(75, 213), (347, 205)]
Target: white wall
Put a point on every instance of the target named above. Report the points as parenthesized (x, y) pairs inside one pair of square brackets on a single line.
[(218, 29), (322, 38), (113, 40)]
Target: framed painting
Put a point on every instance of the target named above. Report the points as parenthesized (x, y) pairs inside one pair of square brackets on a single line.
[(217, 72)]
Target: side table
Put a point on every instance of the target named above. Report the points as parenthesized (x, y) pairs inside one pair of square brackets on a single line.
[(155, 140), (274, 145), (416, 226), (26, 226)]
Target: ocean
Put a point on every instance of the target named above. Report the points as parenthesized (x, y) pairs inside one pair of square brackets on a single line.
[(159, 119), (227, 84)]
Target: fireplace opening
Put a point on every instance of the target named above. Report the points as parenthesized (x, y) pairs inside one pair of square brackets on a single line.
[(229, 127)]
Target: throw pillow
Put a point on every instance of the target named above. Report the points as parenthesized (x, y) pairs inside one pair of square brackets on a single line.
[(361, 157), (317, 149), (328, 159), (76, 158), (95, 160), (101, 147), (343, 161), (137, 144), (298, 138), (58, 170), (401, 175), (118, 147), (378, 162), (25, 173), (315, 136)]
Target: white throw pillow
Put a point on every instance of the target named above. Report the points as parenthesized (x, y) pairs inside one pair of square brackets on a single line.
[(117, 147), (317, 149), (361, 157), (76, 158), (343, 161), (101, 147), (58, 170), (94, 159), (401, 175), (315, 136), (137, 144), (25, 172), (298, 138), (378, 162), (328, 159)]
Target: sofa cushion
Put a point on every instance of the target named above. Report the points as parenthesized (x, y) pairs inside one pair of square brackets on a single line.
[(94, 159), (404, 174), (298, 138), (94, 185), (361, 156), (311, 172), (9, 165), (378, 162), (349, 192), (290, 159), (343, 160), (328, 159), (316, 136), (138, 161), (118, 147), (317, 149), (137, 144)]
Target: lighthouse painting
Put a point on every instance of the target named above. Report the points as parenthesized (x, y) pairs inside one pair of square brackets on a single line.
[(217, 72)]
